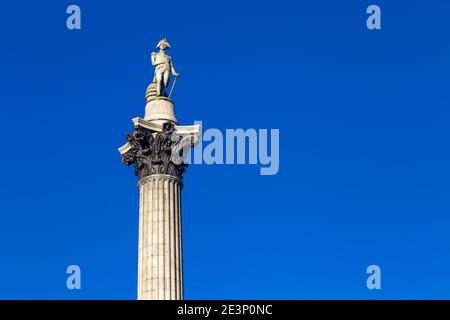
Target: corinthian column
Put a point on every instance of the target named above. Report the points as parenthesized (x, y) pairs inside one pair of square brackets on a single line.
[(160, 265), (156, 149)]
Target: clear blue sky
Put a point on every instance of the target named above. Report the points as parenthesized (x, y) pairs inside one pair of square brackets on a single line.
[(364, 155)]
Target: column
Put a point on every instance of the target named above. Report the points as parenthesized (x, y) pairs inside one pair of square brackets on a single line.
[(160, 271)]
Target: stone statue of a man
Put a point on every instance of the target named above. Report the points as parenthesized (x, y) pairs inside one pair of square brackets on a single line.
[(163, 68)]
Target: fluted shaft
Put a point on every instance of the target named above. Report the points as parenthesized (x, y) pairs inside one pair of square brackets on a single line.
[(160, 265)]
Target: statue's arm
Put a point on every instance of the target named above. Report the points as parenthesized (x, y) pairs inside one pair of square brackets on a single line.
[(153, 58)]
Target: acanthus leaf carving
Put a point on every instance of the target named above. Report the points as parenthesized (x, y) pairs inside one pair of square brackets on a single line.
[(151, 153)]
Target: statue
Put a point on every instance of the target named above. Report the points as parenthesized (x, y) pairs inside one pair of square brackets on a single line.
[(163, 69)]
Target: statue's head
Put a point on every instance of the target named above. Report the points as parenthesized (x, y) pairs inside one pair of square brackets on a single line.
[(163, 44)]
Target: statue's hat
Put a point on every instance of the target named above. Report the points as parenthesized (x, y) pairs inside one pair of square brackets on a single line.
[(163, 44)]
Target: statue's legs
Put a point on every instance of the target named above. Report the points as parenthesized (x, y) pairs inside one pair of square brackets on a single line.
[(159, 83), (162, 77), (166, 76)]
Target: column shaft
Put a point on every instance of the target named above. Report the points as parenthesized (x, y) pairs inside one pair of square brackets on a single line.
[(160, 268)]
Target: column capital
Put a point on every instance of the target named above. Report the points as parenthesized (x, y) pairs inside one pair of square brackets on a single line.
[(153, 152)]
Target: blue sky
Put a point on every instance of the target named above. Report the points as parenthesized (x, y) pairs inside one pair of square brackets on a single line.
[(364, 156)]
